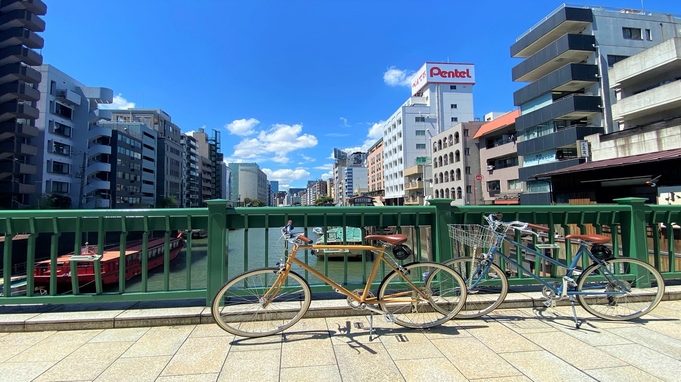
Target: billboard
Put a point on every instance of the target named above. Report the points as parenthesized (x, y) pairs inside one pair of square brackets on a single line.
[(442, 73)]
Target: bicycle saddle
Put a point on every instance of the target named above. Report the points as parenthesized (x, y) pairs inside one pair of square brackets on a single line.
[(391, 239)]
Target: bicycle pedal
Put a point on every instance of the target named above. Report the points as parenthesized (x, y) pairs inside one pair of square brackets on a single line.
[(550, 303), (389, 318)]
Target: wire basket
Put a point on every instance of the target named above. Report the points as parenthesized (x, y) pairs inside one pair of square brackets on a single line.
[(473, 235)]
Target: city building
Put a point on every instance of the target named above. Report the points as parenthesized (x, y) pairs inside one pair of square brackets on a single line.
[(456, 165), (349, 174), (169, 177), (192, 176), (499, 159), (74, 155), (210, 165), (293, 197), (441, 96), (568, 97), (248, 182), (415, 185), (641, 157), (274, 189), (19, 24), (375, 173)]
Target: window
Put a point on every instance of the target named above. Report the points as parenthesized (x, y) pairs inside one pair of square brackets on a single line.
[(494, 186), (420, 132), (613, 59), (420, 146), (420, 119), (60, 187), (455, 119), (632, 33), (468, 170), (63, 110), (60, 148), (649, 35), (60, 168), (452, 87), (454, 106), (465, 132), (516, 185), (61, 129)]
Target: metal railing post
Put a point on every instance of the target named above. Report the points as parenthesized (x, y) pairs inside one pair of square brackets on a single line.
[(441, 241), (634, 232), (217, 240)]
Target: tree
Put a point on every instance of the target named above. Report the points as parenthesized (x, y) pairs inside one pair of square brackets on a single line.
[(324, 201), (54, 201), (166, 202)]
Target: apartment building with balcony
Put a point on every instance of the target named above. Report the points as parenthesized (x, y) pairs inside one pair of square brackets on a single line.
[(349, 174), (169, 150), (192, 176), (415, 185), (456, 164), (74, 152), (375, 170), (19, 25), (566, 57), (642, 157), (499, 160)]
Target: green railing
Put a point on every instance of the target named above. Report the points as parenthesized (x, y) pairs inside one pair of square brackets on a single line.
[(245, 238)]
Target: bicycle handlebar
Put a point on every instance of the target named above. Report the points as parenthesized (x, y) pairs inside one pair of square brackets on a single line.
[(494, 222)]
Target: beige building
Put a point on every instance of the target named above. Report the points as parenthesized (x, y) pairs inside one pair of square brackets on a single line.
[(375, 166)]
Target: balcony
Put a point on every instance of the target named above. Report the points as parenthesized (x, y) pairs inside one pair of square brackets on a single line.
[(413, 201), (20, 36), (656, 100), (573, 48), (19, 72), (99, 94), (560, 138), (18, 90), (97, 149), (11, 128), (94, 185), (17, 53), (415, 185), (643, 67), (570, 78), (564, 20), (96, 167), (13, 110), (99, 114), (528, 173), (570, 108), (69, 96), (22, 18), (37, 7), (97, 131)]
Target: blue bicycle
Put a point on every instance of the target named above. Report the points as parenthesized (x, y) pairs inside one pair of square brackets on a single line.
[(612, 288)]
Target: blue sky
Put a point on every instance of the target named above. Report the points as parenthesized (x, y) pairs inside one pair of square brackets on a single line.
[(287, 81)]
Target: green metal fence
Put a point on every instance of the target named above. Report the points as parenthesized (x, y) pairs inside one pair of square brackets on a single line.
[(244, 238)]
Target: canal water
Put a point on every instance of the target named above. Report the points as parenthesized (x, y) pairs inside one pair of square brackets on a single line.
[(238, 262)]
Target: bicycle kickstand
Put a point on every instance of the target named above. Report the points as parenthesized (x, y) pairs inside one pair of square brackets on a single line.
[(578, 323), (371, 326)]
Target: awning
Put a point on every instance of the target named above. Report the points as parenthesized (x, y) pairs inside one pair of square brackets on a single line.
[(617, 162)]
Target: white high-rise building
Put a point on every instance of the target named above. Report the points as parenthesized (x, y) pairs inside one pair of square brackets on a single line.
[(442, 96)]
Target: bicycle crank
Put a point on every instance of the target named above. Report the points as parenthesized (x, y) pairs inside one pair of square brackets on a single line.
[(354, 304)]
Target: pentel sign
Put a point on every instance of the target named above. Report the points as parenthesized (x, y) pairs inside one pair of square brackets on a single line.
[(442, 73)]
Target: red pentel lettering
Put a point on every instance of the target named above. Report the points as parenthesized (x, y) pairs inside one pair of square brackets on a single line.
[(456, 73)]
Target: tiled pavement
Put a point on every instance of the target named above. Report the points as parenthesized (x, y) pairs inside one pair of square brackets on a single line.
[(516, 344)]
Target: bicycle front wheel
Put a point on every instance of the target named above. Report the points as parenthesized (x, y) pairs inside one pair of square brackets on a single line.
[(261, 302), (620, 289), (486, 289), (422, 295)]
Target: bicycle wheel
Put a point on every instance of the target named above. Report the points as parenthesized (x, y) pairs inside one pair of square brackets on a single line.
[(486, 289), (620, 289), (422, 295), (261, 302)]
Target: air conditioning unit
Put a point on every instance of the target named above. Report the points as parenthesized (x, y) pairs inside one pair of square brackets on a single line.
[(490, 168)]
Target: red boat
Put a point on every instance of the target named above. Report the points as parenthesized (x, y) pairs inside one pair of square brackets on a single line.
[(109, 262)]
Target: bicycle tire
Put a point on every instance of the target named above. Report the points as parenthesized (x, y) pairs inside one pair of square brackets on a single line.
[(484, 292), (440, 296), (620, 307), (238, 308)]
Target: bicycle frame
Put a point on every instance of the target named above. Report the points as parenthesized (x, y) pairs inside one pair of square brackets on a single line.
[(365, 297)]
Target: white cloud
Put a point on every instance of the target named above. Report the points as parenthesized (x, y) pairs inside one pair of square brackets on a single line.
[(397, 77), (286, 176), (328, 166), (344, 122), (274, 144), (327, 175), (242, 127), (119, 103)]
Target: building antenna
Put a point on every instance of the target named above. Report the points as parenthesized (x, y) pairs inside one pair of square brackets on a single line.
[(643, 8)]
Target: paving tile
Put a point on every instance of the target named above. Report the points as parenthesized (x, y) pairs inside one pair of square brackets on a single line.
[(651, 339), (366, 362), (196, 356), (138, 369), (67, 342), (205, 377), (522, 320), (544, 366), (515, 378), (648, 360), (86, 363), (473, 359), (429, 369), (453, 329), (574, 351), (326, 373), (120, 335), (621, 374), (211, 330), (308, 345), (265, 366), (23, 371), (355, 329), (162, 340), (272, 342), (12, 344), (501, 339), (409, 344)]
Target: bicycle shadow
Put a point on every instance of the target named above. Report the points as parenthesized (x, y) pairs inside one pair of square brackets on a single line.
[(287, 336)]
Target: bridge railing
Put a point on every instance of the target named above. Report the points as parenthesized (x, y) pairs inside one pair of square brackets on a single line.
[(245, 238)]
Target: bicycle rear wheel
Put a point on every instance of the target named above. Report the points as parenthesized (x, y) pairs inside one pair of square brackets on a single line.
[(486, 289), (261, 302), (620, 289), (422, 295)]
